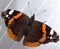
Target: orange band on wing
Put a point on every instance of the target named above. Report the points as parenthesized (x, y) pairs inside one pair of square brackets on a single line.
[(17, 16), (11, 35), (10, 21), (44, 28), (44, 33), (14, 17), (34, 44)]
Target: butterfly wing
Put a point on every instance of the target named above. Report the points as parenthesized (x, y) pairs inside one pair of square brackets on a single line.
[(37, 36), (11, 35), (30, 42), (33, 35), (14, 36)]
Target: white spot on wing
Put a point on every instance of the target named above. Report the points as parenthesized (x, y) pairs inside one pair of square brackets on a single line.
[(11, 12), (6, 15), (52, 31), (51, 37)]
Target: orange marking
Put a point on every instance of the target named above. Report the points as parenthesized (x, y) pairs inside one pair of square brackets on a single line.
[(34, 44), (14, 17), (10, 21), (44, 28), (44, 33), (11, 35), (43, 38)]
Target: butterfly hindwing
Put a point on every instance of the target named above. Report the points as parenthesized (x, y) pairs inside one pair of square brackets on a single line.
[(33, 35)]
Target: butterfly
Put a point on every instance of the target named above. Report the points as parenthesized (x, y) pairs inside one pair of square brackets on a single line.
[(35, 32)]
